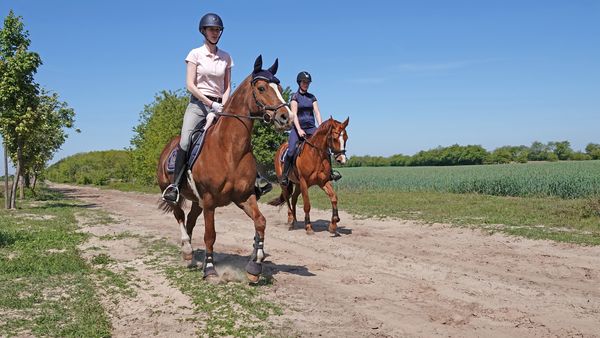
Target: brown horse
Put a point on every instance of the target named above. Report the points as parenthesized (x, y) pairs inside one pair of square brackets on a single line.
[(225, 171), (313, 167)]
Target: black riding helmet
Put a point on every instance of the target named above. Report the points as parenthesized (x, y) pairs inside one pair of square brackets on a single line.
[(211, 20), (303, 76)]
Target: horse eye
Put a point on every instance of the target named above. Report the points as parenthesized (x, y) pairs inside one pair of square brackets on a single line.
[(261, 89)]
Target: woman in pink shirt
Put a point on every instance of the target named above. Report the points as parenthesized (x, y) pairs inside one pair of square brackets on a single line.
[(208, 79)]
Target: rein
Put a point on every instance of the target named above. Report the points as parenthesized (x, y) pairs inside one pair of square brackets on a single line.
[(329, 147)]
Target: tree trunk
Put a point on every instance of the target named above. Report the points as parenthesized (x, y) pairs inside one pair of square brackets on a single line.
[(13, 197), (21, 188), (6, 192)]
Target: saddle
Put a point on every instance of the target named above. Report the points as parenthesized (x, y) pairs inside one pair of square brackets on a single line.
[(196, 147)]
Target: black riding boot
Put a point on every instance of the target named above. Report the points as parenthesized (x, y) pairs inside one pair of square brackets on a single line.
[(171, 193), (287, 165), (261, 185)]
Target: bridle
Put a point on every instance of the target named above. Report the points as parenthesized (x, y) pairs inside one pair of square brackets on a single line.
[(261, 106), (335, 153)]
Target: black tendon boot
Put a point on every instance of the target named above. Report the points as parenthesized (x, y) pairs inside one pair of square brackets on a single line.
[(171, 193), (261, 185)]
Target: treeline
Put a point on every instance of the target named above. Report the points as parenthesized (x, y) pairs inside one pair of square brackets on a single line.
[(476, 154), (96, 167)]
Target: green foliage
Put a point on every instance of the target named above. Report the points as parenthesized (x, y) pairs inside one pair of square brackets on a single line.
[(593, 149), (160, 121), (97, 167), (266, 140)]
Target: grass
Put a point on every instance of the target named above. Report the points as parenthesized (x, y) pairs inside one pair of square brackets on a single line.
[(224, 309), (46, 287)]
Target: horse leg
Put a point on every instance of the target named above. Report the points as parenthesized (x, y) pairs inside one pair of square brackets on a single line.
[(291, 206), (306, 204), (335, 218), (209, 240), (186, 243), (254, 266), (294, 203), (185, 238)]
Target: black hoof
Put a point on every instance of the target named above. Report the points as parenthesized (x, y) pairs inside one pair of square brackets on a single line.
[(210, 272), (254, 268)]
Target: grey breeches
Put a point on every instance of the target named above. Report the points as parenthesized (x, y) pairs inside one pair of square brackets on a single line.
[(194, 118)]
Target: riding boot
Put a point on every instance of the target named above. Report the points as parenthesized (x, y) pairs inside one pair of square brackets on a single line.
[(287, 165), (334, 175), (261, 185), (171, 193)]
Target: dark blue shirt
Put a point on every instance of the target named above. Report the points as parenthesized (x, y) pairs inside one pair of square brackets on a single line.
[(306, 113)]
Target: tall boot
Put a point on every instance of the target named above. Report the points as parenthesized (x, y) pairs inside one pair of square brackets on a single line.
[(261, 185), (287, 165), (171, 193)]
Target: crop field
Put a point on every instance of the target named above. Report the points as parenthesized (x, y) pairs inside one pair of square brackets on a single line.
[(567, 180)]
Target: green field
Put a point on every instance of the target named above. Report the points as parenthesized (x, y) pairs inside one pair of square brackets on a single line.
[(555, 179)]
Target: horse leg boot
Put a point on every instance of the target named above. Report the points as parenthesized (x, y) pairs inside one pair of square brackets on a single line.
[(171, 193), (254, 266)]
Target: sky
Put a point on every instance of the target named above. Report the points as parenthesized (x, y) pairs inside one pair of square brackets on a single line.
[(411, 75)]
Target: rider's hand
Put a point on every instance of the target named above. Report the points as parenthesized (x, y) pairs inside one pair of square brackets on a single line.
[(301, 133), (216, 106)]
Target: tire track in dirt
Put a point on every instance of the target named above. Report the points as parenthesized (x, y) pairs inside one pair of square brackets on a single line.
[(396, 278)]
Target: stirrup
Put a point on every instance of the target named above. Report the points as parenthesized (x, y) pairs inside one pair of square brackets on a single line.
[(171, 188), (335, 175)]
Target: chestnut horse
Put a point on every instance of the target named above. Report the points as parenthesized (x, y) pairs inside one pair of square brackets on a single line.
[(313, 167), (225, 171)]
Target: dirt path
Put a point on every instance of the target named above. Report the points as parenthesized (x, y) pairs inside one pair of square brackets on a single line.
[(395, 278)]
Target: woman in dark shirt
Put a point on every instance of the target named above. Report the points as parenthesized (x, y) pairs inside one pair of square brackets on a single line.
[(305, 110)]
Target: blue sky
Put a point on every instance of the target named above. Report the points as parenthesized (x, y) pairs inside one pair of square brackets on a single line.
[(411, 75)]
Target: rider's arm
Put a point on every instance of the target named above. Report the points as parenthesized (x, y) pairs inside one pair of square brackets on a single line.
[(317, 113), (294, 109), (227, 84), (190, 82)]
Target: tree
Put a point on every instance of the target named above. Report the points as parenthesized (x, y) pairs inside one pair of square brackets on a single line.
[(266, 140), (18, 91), (593, 149), (562, 149), (51, 117)]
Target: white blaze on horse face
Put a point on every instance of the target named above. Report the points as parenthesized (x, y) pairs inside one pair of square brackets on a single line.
[(276, 89), (343, 147)]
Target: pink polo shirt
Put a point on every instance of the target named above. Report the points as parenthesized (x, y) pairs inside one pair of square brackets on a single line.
[(210, 70)]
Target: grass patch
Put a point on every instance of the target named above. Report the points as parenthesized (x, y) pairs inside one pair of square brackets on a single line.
[(520, 216), (231, 309), (46, 287)]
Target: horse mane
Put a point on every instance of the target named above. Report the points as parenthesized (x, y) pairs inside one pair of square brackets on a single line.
[(239, 91), (322, 130)]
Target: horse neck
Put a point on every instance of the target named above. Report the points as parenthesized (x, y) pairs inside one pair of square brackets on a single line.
[(233, 131), (319, 138)]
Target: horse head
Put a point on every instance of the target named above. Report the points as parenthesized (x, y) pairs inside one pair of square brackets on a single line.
[(268, 98), (337, 139)]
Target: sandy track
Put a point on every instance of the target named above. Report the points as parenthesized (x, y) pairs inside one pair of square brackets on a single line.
[(396, 278)]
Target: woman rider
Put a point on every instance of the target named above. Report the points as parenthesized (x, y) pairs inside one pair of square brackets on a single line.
[(305, 109)]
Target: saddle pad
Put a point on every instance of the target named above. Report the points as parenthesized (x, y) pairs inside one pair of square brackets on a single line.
[(198, 142)]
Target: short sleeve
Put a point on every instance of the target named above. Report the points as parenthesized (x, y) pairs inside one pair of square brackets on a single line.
[(313, 98), (295, 97), (192, 57)]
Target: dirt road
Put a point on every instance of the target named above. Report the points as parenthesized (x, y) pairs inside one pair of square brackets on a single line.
[(394, 278)]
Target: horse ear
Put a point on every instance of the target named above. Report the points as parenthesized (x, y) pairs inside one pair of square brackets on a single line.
[(273, 68), (346, 122), (258, 64)]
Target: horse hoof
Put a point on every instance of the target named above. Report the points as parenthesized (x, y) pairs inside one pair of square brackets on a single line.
[(253, 268), (210, 273), (252, 278), (336, 219), (310, 232)]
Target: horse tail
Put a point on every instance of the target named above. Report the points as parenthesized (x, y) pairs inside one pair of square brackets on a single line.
[(277, 201)]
